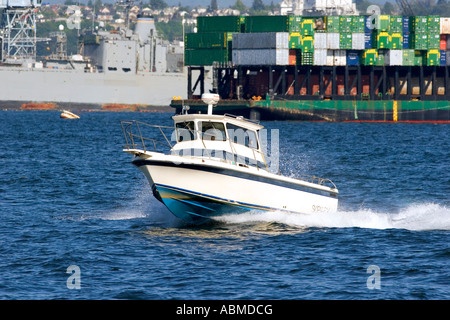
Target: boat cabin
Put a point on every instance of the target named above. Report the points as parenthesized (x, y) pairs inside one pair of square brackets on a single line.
[(219, 137)]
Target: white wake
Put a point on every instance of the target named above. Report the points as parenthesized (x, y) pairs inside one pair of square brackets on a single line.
[(428, 216)]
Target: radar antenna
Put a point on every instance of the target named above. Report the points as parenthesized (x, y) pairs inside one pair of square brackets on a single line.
[(127, 5)]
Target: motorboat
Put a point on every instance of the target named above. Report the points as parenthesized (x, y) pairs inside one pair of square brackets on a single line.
[(69, 115), (215, 165)]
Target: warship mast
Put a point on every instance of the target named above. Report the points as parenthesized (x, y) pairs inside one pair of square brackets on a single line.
[(19, 30)]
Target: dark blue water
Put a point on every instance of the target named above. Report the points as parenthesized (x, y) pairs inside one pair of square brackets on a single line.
[(70, 197)]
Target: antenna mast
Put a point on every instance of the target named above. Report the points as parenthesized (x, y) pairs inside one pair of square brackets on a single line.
[(19, 33)]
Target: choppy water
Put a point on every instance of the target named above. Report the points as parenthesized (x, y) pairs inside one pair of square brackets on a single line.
[(70, 197)]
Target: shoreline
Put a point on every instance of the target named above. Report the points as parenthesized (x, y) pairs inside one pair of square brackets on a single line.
[(81, 107)]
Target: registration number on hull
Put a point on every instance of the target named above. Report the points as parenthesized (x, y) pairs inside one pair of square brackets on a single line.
[(317, 208)]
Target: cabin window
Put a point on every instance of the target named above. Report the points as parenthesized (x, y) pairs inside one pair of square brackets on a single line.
[(242, 136), (213, 131), (185, 131)]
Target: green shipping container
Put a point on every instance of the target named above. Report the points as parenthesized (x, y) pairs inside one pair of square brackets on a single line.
[(396, 24), (332, 23), (295, 23), (396, 41), (294, 40), (380, 60), (208, 40), (419, 57), (219, 24), (382, 22), (307, 27), (434, 40), (358, 24), (433, 24), (267, 24), (205, 57), (297, 41), (307, 58), (419, 41), (418, 24), (381, 40), (369, 57), (408, 57), (345, 40), (432, 58), (307, 43), (345, 24)]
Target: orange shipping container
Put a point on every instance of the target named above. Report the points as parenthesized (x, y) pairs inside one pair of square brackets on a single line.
[(292, 57), (443, 42)]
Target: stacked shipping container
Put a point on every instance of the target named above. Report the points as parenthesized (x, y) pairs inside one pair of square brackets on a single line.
[(267, 48), (331, 41), (213, 41)]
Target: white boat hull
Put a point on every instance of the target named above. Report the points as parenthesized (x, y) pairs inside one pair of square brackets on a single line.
[(69, 115), (197, 191)]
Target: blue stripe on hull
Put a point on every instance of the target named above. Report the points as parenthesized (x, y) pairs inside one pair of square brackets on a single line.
[(196, 208), (237, 174)]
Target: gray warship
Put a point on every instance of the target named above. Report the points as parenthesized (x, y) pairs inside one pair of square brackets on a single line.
[(126, 69)]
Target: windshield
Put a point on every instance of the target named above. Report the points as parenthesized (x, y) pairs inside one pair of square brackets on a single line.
[(242, 136), (185, 131), (214, 131)]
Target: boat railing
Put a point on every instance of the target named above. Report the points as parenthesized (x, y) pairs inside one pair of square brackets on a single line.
[(135, 133), (241, 117), (137, 136), (320, 181)]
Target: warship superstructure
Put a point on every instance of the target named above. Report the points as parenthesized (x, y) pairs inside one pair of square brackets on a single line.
[(128, 69)]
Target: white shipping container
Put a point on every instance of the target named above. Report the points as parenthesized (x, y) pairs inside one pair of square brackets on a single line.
[(282, 57), (333, 39), (394, 58), (262, 40), (282, 39), (320, 41), (358, 41), (445, 26), (340, 57), (320, 57), (330, 57)]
